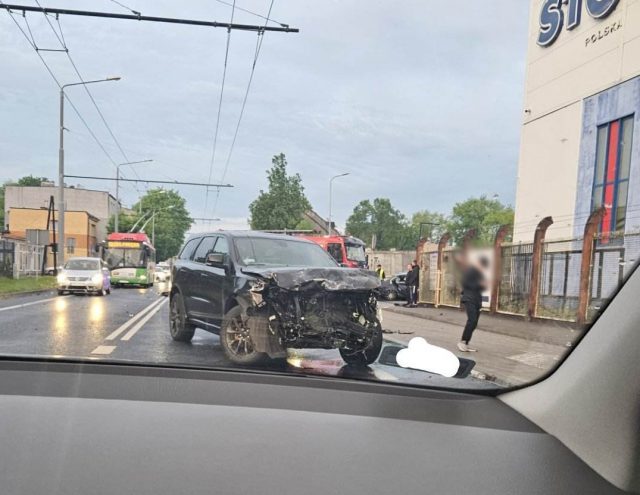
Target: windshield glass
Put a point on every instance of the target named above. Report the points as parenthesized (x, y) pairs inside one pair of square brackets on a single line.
[(438, 194), (82, 265), (355, 252), (125, 258), (278, 252)]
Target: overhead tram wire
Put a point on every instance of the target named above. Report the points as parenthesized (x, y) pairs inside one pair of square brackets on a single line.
[(126, 8), (259, 41), (50, 71), (223, 2), (215, 135), (87, 90)]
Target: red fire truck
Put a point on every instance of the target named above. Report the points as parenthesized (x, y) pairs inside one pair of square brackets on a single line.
[(347, 250)]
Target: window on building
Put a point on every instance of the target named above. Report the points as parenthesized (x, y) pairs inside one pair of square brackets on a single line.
[(611, 181), (71, 245)]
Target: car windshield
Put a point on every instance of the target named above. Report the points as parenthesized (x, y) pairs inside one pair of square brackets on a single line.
[(355, 252), (425, 193), (82, 265), (257, 251)]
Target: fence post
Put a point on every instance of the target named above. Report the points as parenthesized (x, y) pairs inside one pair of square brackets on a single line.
[(503, 231), (536, 265), (444, 240), (420, 250), (590, 230)]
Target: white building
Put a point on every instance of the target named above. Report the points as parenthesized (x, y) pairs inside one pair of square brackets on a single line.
[(580, 143)]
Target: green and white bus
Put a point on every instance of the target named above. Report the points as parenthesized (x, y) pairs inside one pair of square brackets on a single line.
[(131, 258)]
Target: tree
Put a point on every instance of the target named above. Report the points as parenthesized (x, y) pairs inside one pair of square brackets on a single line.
[(172, 220), (382, 220), (283, 205), (30, 180), (433, 225), (485, 215)]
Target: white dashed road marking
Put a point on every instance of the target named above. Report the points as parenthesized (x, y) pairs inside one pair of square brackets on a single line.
[(103, 349), (123, 328), (140, 324)]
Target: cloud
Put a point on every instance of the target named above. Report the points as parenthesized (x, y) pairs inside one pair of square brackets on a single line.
[(421, 355)]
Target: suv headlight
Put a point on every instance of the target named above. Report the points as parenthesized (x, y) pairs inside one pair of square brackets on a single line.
[(97, 278)]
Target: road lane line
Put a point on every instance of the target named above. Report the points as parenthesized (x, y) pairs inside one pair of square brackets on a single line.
[(122, 328), (103, 349), (141, 323), (23, 305)]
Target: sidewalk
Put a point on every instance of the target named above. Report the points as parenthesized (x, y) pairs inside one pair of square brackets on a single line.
[(544, 331)]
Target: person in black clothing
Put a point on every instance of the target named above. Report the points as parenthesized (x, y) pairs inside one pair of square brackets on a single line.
[(473, 284), (413, 282), (408, 280)]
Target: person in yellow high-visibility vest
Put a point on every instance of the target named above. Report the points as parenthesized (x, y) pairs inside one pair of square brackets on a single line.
[(380, 272)]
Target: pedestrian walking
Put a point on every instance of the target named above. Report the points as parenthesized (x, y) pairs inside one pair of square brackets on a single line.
[(473, 284), (380, 272)]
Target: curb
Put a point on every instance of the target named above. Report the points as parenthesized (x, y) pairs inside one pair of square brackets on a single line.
[(9, 295), (532, 338)]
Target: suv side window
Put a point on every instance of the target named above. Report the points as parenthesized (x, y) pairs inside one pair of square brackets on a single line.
[(188, 248), (222, 247), (204, 248)]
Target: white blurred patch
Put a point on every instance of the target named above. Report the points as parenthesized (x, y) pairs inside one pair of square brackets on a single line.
[(421, 355)]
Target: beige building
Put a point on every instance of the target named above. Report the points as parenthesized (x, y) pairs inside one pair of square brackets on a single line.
[(80, 228), (580, 142), (99, 204)]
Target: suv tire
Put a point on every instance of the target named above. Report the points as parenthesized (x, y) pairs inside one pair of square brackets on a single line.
[(367, 355), (179, 327), (235, 339)]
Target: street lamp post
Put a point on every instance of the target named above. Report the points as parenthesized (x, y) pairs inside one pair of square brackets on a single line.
[(331, 198), (61, 164), (118, 189)]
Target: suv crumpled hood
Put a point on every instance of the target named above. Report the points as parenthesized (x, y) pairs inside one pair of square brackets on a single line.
[(333, 279)]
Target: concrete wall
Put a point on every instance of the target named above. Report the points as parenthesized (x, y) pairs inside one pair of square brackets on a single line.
[(392, 262), (581, 63), (100, 204)]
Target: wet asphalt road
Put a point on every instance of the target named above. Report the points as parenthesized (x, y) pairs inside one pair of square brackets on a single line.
[(132, 325)]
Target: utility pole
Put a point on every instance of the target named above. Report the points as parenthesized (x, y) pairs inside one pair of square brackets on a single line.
[(329, 228), (61, 163)]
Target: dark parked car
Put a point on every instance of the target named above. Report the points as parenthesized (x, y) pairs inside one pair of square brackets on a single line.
[(394, 288), (264, 293)]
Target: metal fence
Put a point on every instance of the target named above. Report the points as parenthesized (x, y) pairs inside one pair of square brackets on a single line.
[(614, 256), (7, 257), (429, 278), (559, 287), (28, 260), (515, 278), (451, 279)]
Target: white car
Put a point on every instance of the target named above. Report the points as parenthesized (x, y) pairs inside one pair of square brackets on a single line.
[(84, 275)]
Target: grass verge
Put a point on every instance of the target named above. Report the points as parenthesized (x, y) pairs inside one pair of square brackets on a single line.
[(25, 284)]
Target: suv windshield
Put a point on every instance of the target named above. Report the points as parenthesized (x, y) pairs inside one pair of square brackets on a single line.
[(277, 252)]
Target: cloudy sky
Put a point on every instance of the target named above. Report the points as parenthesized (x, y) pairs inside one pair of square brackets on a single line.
[(420, 101)]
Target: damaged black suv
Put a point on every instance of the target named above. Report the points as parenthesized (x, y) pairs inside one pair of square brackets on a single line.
[(264, 293)]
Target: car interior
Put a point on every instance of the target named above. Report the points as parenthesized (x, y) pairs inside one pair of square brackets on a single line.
[(236, 431)]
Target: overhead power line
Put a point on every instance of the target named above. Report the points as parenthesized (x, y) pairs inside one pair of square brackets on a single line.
[(250, 12), (149, 181), (259, 41), (215, 134), (168, 20), (125, 7), (50, 71)]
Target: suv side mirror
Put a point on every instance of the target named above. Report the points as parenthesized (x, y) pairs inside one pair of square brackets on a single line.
[(218, 260)]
